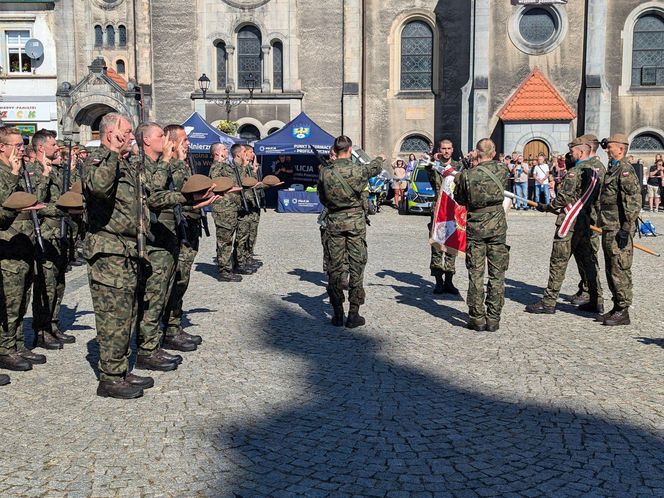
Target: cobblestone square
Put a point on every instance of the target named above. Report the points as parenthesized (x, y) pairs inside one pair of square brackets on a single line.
[(277, 402)]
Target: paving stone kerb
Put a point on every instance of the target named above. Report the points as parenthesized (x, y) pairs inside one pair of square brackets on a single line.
[(277, 402)]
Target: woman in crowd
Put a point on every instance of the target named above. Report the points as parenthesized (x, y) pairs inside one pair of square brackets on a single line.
[(412, 164), (398, 185)]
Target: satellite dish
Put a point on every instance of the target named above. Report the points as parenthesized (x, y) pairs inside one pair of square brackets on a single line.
[(34, 48)]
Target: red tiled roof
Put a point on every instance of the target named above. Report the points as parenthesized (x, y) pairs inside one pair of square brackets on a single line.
[(121, 82), (536, 100)]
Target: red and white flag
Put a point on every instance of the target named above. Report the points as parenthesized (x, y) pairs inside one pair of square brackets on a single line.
[(448, 232)]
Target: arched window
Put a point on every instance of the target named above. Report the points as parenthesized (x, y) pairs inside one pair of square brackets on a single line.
[(249, 57), (222, 61), (122, 36), (415, 144), (278, 65), (416, 56), (273, 130), (99, 36), (648, 51), (249, 133), (647, 142), (120, 66), (110, 36)]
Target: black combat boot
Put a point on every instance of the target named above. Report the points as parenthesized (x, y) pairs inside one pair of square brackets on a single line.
[(492, 325), (338, 318), (137, 380), (196, 339), (47, 340), (580, 298), (354, 319), (63, 338), (440, 286), (178, 343), (476, 325), (592, 307), (154, 362), (603, 317), (618, 317), (227, 276), (4, 380), (34, 358), (540, 308), (14, 361), (120, 389), (175, 358), (448, 286)]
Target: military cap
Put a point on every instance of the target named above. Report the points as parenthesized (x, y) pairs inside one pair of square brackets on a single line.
[(249, 181), (619, 138), (222, 184), (196, 183), (83, 148), (70, 200), (76, 187), (576, 142), (590, 138), (271, 180), (19, 200)]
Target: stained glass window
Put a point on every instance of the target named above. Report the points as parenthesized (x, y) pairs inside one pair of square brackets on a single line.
[(278, 65), (647, 141), (537, 26), (249, 57), (222, 58), (110, 36), (122, 36), (648, 51), (416, 56), (416, 144), (99, 36), (120, 66)]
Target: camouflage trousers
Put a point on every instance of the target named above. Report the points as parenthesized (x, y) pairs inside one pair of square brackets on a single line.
[(226, 224), (246, 225), (576, 243), (494, 253), (441, 262), (618, 267), (16, 275), (253, 232), (49, 286), (347, 250), (114, 290), (595, 244), (158, 278), (185, 261)]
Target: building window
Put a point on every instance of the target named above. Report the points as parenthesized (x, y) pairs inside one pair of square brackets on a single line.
[(537, 25), (648, 51), (110, 36), (273, 130), (647, 142), (538, 29), (99, 36), (278, 65), (18, 61), (249, 57), (416, 56), (222, 63), (415, 144), (122, 36), (249, 133), (120, 66)]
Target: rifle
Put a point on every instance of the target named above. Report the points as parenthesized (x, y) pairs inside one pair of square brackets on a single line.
[(180, 221), (140, 236), (64, 225), (261, 194), (204, 220), (33, 213), (256, 196), (239, 182)]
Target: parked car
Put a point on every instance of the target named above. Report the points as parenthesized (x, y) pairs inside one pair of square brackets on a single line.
[(420, 197)]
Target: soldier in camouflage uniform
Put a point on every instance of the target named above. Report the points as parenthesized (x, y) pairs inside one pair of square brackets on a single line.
[(116, 216), (340, 187), (17, 249), (581, 182), (258, 198), (49, 283), (442, 263), (247, 220), (620, 204), (480, 189), (225, 213), (174, 335)]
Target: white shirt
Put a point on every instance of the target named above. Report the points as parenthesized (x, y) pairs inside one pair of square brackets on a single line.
[(541, 174)]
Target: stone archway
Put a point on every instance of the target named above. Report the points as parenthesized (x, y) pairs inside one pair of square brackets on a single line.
[(87, 121)]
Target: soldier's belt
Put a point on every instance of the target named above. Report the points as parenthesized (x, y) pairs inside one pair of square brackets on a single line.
[(487, 209), (347, 210)]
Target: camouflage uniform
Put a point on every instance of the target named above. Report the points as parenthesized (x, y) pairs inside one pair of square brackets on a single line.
[(255, 214), (225, 214), (49, 284), (486, 238), (17, 251), (346, 225), (441, 262), (186, 256), (111, 190), (577, 241), (247, 223), (620, 204), (162, 252)]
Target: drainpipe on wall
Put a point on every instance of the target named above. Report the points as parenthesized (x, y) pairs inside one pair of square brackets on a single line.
[(364, 74)]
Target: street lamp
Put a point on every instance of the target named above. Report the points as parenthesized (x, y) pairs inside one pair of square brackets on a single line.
[(204, 84), (227, 103)]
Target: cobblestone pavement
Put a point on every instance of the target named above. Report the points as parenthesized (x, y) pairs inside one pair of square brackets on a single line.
[(277, 402)]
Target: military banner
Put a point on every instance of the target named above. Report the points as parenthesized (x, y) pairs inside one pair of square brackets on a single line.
[(448, 231)]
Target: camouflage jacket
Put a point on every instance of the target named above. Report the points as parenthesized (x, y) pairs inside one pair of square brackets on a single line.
[(160, 199), (574, 185), (11, 222), (484, 199), (231, 202), (435, 179), (48, 189), (599, 167), (620, 198), (111, 191), (336, 196)]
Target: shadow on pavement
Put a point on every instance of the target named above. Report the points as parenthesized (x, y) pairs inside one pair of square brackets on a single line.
[(68, 318), (358, 423), (649, 341)]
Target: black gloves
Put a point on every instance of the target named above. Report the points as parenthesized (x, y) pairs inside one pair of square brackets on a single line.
[(622, 238), (542, 208)]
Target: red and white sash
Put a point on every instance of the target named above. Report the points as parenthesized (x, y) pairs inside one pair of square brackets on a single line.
[(573, 210)]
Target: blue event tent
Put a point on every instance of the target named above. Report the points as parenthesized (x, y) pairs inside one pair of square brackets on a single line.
[(296, 138), (202, 134)]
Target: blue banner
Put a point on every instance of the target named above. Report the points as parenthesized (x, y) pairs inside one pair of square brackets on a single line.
[(298, 201)]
